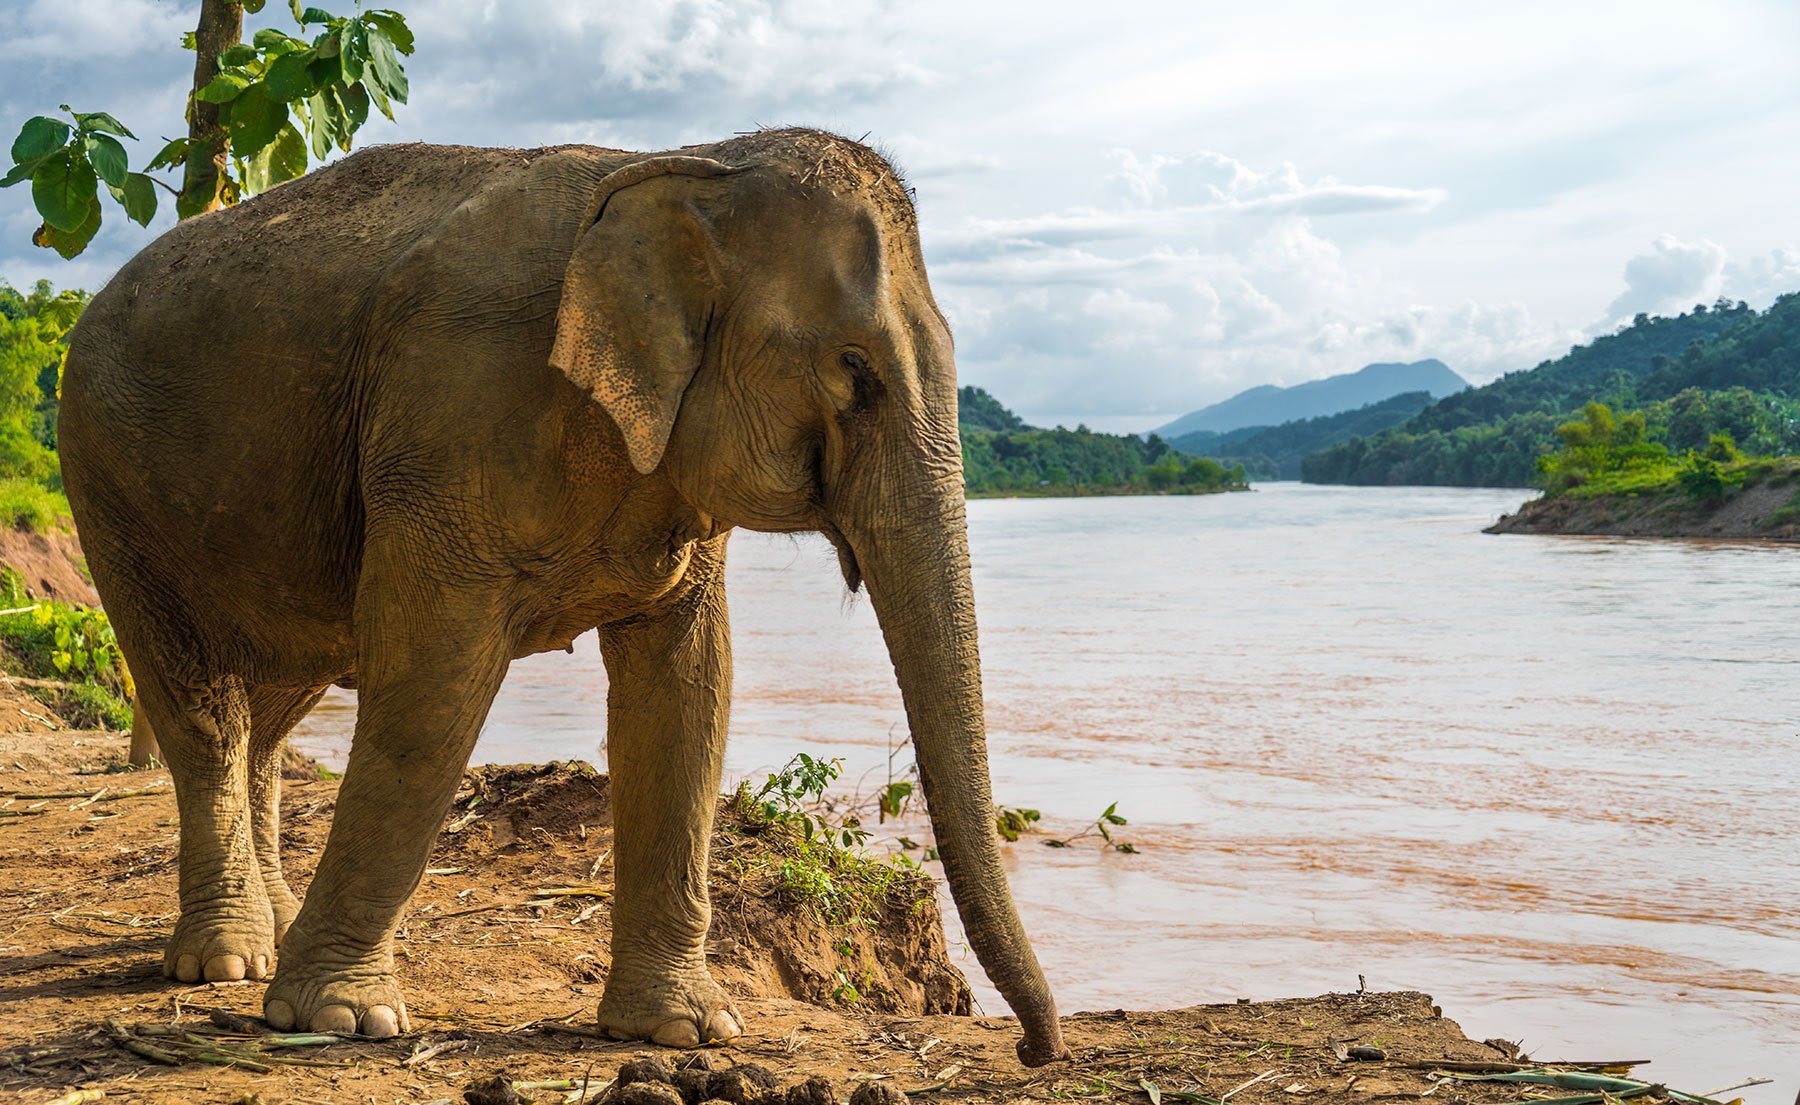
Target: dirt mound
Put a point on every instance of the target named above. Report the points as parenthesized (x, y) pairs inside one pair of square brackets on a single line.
[(882, 949), (51, 563)]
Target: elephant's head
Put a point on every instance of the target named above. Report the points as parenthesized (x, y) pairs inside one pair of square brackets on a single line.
[(763, 334)]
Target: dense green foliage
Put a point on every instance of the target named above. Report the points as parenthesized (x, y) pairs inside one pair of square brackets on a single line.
[(1607, 454), (1726, 369), (34, 331), (71, 645), (977, 410), (1021, 459), (279, 98), (1275, 452)]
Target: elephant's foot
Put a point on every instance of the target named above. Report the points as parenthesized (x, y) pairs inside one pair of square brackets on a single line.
[(222, 942), (346, 999), (674, 1009)]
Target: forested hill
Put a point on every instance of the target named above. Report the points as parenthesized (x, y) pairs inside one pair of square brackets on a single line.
[(1275, 452), (1729, 364), (1004, 456)]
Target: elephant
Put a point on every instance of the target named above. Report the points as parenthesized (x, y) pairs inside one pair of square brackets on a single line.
[(431, 409)]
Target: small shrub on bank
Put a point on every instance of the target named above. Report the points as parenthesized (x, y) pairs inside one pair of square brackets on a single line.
[(73, 645)]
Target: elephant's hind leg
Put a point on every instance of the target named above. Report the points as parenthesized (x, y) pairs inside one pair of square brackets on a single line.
[(668, 697), (226, 931), (273, 711)]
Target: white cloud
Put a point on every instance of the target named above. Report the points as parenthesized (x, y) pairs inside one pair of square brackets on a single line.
[(1670, 278)]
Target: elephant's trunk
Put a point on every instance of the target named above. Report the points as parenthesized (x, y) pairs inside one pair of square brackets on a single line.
[(915, 563)]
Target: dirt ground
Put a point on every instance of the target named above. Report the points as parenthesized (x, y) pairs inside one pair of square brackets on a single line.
[(503, 955)]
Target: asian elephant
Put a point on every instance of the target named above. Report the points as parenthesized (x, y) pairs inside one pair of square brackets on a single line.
[(430, 409)]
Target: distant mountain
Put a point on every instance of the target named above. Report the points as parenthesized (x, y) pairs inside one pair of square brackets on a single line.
[(1275, 452), (1269, 405)]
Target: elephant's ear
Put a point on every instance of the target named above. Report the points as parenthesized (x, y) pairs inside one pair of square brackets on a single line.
[(642, 280)]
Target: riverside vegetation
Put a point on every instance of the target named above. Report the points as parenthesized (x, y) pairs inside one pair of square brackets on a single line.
[(1004, 456)]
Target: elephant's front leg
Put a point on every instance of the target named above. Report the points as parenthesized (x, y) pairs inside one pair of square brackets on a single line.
[(429, 663), (665, 730)]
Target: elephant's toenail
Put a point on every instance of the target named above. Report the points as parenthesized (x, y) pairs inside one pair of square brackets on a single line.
[(225, 968), (380, 1022), (187, 968), (279, 1014), (262, 967), (678, 1033), (722, 1026), (339, 1019)]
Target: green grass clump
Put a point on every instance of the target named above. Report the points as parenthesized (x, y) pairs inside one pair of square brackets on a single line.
[(812, 860), (71, 644), (30, 504)]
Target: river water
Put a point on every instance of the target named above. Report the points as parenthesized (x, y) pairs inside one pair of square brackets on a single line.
[(1551, 781)]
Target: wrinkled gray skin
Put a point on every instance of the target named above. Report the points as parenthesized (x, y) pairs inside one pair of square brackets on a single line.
[(431, 409)]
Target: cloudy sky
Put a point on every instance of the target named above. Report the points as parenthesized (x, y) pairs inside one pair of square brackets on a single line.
[(1133, 209)]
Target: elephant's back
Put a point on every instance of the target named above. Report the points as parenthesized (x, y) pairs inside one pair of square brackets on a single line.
[(209, 423)]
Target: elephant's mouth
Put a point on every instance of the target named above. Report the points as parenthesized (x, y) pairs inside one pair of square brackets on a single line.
[(846, 558)]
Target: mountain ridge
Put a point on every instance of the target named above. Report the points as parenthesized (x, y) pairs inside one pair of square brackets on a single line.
[(1272, 405)]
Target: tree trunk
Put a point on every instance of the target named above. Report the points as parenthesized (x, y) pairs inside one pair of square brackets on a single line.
[(221, 26)]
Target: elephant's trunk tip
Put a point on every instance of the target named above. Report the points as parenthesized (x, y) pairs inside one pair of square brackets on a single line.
[(1043, 1047)]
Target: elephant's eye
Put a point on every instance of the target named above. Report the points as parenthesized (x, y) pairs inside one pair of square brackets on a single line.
[(867, 388)]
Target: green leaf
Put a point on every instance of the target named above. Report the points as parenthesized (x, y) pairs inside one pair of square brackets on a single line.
[(39, 138), (108, 158), (378, 94), (281, 160), (294, 6), (64, 189), (318, 124), (223, 89), (139, 198), (252, 6), (60, 659), (287, 77), (325, 70), (238, 54), (21, 171), (353, 50), (101, 121), (393, 25), (254, 120), (313, 15), (171, 155), (272, 41), (356, 109), (189, 42), (386, 66)]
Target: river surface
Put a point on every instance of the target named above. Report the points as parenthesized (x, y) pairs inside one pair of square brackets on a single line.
[(1550, 781)]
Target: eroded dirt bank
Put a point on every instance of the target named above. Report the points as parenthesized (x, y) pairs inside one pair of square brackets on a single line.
[(1755, 513), (504, 951)]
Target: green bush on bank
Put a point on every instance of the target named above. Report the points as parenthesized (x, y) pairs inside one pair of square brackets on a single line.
[(69, 644), (1607, 454)]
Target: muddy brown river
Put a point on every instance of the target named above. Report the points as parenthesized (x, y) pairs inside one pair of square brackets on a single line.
[(1552, 781)]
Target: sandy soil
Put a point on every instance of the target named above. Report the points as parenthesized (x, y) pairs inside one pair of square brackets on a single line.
[(503, 977), (1747, 515)]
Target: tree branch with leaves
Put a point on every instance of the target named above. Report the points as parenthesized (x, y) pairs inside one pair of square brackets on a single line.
[(256, 113)]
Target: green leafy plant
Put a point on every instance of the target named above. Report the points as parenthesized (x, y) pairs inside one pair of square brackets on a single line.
[(278, 98), (74, 645), (1012, 823)]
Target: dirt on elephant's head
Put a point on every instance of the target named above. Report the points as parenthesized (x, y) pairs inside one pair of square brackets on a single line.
[(831, 928)]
